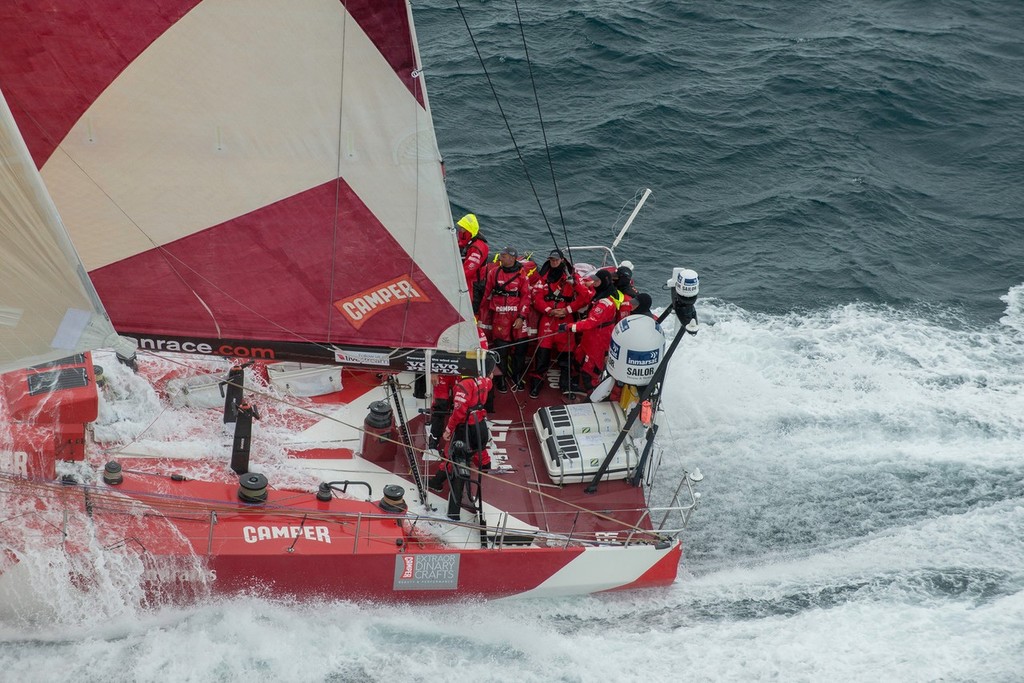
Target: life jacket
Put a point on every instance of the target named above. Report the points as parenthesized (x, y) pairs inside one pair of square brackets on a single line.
[(498, 289), (617, 298), (476, 397), (564, 292), (479, 243)]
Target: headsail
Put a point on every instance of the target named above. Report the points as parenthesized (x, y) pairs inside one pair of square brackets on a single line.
[(48, 307), (244, 170)]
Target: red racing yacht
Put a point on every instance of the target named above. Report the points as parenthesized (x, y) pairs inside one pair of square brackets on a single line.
[(230, 272)]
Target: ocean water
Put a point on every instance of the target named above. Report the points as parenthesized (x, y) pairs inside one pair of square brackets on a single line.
[(846, 178)]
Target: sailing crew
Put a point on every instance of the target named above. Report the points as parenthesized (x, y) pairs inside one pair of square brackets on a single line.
[(556, 297), (642, 305), (474, 250), (467, 426), (506, 302), (624, 279), (596, 330), (532, 279), (440, 407)]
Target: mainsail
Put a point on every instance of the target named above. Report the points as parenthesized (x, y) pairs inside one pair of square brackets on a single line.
[(254, 171), (48, 307)]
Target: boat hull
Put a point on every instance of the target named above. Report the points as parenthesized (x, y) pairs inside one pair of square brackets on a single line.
[(182, 541)]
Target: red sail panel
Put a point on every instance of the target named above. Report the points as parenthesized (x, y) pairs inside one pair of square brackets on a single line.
[(282, 273)]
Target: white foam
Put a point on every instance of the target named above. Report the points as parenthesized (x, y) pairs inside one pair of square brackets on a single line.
[(862, 519)]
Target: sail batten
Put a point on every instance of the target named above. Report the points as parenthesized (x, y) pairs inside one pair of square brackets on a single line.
[(254, 173)]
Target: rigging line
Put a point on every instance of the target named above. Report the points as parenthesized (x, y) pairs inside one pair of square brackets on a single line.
[(186, 504), (544, 136), (422, 451), (241, 305), (417, 79), (168, 257), (497, 101), (337, 170), (159, 248)]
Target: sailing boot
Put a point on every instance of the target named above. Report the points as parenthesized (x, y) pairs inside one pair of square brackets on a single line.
[(500, 384), (535, 384)]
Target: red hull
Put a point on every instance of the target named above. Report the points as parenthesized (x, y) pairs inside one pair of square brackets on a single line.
[(191, 537)]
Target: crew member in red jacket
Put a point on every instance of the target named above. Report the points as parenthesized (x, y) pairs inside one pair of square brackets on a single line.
[(507, 300), (440, 407), (474, 250), (597, 329), (467, 436), (556, 296)]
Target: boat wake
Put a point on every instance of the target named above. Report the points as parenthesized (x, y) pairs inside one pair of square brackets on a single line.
[(864, 467)]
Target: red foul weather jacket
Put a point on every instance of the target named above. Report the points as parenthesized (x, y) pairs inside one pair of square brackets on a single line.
[(506, 298), (596, 334)]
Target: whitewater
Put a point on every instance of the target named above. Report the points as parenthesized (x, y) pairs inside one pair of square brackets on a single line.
[(862, 519)]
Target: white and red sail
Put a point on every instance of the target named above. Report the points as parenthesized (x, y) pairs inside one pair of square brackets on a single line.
[(48, 307), (250, 170)]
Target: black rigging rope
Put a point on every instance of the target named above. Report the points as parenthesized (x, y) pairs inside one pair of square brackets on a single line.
[(544, 135), (508, 126)]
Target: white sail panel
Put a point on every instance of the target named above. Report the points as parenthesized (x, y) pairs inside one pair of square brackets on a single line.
[(48, 308), (239, 105)]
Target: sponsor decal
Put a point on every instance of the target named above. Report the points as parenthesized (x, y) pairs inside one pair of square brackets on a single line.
[(613, 349), (360, 307), (361, 357), (441, 367), (641, 372), (191, 346), (15, 462), (642, 364), (255, 534), (623, 324), (427, 572), (643, 357)]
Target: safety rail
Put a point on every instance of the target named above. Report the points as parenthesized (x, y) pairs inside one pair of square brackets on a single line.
[(421, 528), (607, 255)]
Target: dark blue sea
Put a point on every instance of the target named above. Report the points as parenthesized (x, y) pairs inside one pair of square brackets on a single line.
[(846, 177)]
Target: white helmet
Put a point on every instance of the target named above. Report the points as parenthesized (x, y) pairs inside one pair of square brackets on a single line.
[(687, 282)]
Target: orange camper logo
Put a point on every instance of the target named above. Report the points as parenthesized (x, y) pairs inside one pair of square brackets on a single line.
[(360, 307)]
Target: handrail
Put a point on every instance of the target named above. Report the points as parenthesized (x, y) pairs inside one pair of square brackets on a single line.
[(629, 534)]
